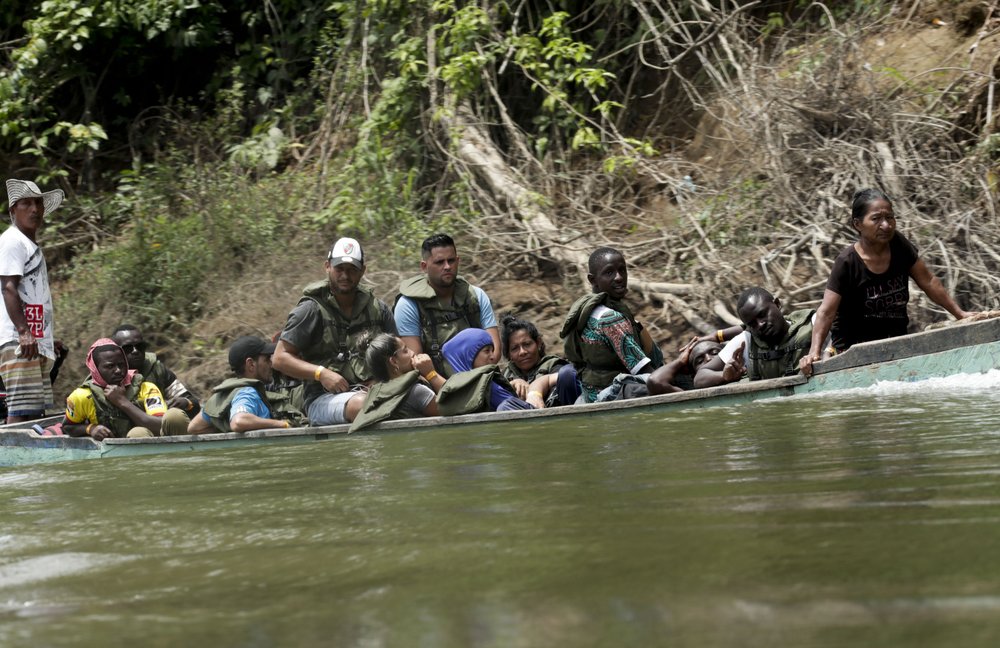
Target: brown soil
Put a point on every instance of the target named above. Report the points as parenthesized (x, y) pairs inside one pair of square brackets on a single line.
[(258, 301)]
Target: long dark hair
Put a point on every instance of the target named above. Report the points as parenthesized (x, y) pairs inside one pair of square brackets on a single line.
[(378, 348)]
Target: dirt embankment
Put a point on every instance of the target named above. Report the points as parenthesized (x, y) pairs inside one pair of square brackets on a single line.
[(905, 106)]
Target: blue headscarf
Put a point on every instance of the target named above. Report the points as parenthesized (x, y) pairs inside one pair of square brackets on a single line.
[(461, 350)]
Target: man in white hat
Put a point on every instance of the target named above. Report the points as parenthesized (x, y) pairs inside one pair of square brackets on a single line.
[(319, 343), (26, 340)]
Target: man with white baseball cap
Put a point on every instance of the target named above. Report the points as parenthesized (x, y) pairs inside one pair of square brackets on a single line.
[(319, 343), (27, 343)]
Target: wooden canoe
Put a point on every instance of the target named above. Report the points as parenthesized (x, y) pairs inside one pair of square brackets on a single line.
[(961, 348)]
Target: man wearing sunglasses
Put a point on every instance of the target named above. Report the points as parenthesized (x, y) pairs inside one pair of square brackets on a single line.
[(129, 338)]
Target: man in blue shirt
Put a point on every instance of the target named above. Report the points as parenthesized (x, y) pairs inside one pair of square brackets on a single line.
[(241, 404), (435, 305)]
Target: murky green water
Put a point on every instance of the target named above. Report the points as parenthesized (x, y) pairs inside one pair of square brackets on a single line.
[(865, 520)]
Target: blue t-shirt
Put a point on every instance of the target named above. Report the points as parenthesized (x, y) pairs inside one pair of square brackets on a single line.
[(407, 314), (248, 400)]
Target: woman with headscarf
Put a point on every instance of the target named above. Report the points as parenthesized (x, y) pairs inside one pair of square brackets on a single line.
[(114, 401), (868, 289), (477, 384)]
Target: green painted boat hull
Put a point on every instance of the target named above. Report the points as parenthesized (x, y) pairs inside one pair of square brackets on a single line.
[(964, 348)]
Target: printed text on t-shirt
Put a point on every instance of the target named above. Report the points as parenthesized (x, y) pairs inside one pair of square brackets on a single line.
[(35, 315)]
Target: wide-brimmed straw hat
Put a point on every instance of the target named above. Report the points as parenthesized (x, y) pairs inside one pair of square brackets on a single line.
[(18, 189)]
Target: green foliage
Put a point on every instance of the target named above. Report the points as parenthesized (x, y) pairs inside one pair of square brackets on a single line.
[(73, 79), (188, 228)]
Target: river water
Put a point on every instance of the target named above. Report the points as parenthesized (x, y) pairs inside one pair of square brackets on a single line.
[(863, 518)]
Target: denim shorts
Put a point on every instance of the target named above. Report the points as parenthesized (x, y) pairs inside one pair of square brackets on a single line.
[(328, 409)]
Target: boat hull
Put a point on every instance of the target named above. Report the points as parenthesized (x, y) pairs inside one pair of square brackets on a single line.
[(971, 348)]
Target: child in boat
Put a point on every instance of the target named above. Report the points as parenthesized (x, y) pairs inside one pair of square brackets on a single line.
[(405, 386), (542, 380), (478, 385)]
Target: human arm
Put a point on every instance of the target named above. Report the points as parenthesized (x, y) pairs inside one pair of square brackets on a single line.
[(288, 361), (664, 379), (15, 310), (200, 424), (248, 411), (821, 329), (495, 336), (423, 364), (304, 330), (722, 335), (934, 289), (539, 389), (724, 368), (177, 394), (97, 432), (80, 417), (407, 317), (520, 386), (488, 321), (151, 417), (245, 421)]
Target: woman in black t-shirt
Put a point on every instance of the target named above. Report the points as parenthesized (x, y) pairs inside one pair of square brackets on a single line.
[(868, 289)]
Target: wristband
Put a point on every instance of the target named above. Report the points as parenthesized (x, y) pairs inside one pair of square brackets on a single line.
[(287, 425), (319, 370), (431, 375), (89, 425), (537, 393), (719, 336)]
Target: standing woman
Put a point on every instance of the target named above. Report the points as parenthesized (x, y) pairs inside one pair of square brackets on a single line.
[(868, 289)]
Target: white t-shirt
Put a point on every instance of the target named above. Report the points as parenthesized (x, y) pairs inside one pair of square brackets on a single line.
[(21, 257)]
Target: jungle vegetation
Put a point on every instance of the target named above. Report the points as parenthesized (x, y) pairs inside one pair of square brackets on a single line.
[(718, 142)]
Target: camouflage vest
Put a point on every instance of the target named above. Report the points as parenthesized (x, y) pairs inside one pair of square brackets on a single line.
[(383, 400), (219, 403), (782, 360), (338, 349), (440, 322), (110, 416)]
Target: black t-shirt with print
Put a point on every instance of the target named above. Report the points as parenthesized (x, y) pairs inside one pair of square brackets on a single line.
[(872, 306)]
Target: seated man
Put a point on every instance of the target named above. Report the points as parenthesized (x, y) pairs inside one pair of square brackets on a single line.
[(129, 338), (770, 347), (113, 402), (612, 352), (241, 404), (435, 305), (320, 341)]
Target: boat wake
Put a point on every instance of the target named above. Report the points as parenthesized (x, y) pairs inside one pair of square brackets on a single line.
[(961, 385)]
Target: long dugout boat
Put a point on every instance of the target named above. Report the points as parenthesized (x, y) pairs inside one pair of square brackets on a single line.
[(960, 348)]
